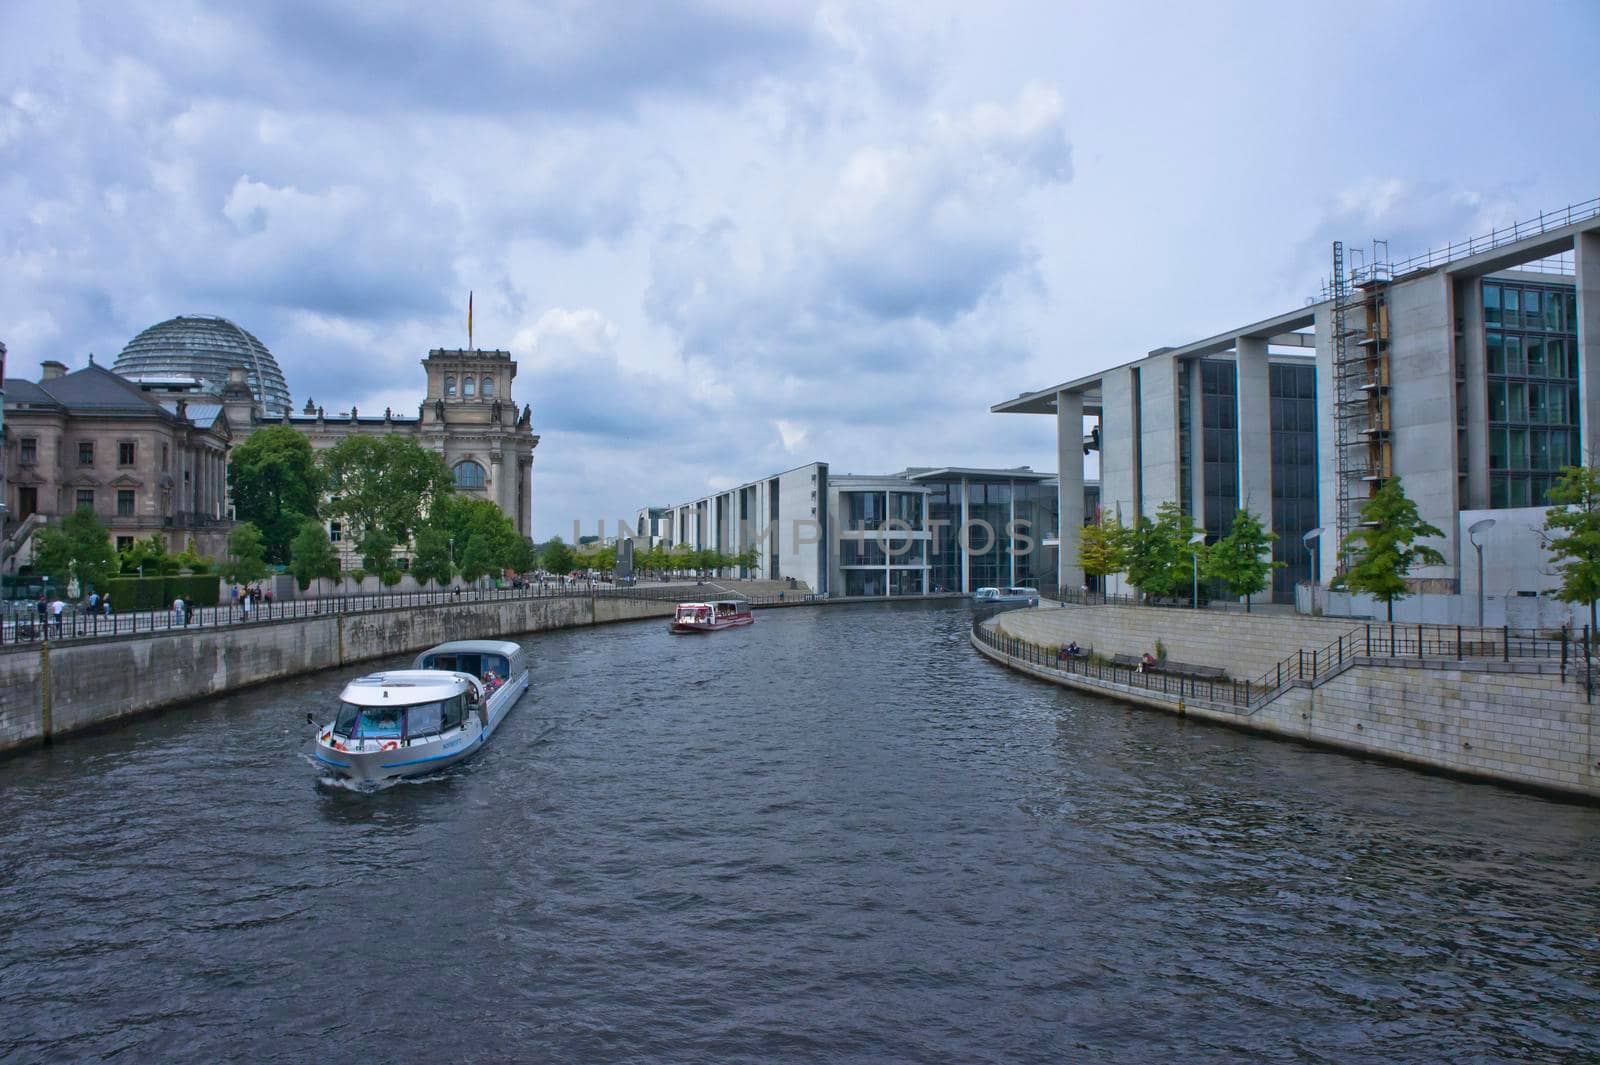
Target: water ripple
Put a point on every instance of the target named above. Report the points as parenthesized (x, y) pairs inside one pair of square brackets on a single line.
[(837, 835)]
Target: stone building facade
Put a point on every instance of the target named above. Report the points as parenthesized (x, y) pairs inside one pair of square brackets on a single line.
[(144, 465), (467, 416)]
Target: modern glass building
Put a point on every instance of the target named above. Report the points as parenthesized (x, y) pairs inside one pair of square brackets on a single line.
[(1466, 373)]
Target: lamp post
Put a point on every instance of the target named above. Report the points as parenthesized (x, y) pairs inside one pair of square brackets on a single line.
[(1311, 539), (1472, 534), (1194, 554)]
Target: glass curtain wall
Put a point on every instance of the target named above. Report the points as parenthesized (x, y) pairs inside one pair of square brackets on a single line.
[(1219, 409), (1531, 356), (1293, 398)]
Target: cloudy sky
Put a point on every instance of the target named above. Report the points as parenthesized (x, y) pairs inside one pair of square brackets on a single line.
[(723, 239)]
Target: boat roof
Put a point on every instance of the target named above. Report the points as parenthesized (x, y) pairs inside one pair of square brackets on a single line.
[(718, 602), (404, 687), (474, 647)]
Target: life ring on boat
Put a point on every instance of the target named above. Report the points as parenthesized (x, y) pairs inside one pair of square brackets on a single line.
[(388, 745)]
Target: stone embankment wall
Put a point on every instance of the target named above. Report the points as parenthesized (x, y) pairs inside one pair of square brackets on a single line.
[(61, 688), (1247, 645), (1520, 723)]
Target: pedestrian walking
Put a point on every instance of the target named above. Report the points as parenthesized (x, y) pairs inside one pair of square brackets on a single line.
[(94, 601), (177, 611), (58, 608), (245, 604), (105, 604)]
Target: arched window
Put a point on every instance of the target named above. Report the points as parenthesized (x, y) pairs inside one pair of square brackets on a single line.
[(469, 475), (488, 388), (449, 385), (466, 386)]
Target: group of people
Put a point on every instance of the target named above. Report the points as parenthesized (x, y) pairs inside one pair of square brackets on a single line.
[(249, 598)]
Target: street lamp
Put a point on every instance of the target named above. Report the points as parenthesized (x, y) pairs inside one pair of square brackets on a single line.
[(1194, 554), (1313, 558), (1472, 534)]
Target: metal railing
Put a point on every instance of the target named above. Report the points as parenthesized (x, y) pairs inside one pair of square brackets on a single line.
[(1544, 222), (1315, 666), (23, 624)]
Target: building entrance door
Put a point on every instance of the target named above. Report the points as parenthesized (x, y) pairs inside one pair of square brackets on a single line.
[(27, 501)]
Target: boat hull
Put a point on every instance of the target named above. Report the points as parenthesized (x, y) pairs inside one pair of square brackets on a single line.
[(688, 628), (419, 758)]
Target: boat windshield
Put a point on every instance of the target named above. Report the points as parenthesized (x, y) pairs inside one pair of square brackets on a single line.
[(398, 722), (692, 612)]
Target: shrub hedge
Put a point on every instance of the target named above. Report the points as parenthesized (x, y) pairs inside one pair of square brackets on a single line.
[(157, 593)]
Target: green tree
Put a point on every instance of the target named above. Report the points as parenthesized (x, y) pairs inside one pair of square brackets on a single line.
[(276, 484), (1242, 560), (193, 561), (1572, 528), (311, 555), (1104, 547), (476, 560), (383, 483), (150, 557), (1160, 561), (748, 560), (246, 562), (431, 559), (79, 547), (377, 556), (1384, 548), (558, 558)]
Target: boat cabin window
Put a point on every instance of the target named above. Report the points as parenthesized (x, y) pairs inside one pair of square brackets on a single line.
[(452, 713), (369, 722), (692, 613), (478, 665), (424, 719)]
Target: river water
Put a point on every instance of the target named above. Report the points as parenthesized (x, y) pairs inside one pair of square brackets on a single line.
[(838, 835)]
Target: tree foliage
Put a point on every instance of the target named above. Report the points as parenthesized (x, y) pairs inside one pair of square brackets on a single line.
[(276, 484), (1160, 558), (430, 561), (485, 541), (246, 562), (377, 556), (1105, 546), (78, 548), (387, 484), (1384, 548), (150, 557), (311, 554), (1242, 560), (558, 558), (1572, 526)]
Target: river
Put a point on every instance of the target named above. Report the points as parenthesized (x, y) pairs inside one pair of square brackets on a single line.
[(836, 835)]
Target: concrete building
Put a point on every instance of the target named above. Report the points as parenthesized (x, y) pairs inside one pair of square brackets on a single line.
[(1469, 372), (92, 439), (920, 531)]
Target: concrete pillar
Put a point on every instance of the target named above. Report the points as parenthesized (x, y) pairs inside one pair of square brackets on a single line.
[(1586, 252), (1069, 502), (1327, 444), (1255, 427), (1118, 444), (1158, 424), (962, 540)]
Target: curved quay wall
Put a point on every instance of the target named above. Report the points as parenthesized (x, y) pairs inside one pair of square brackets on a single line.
[(52, 690), (1514, 726)]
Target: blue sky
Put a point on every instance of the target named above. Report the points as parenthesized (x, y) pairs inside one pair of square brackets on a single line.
[(723, 239)]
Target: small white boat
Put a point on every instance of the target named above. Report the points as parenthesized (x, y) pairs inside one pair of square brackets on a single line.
[(1006, 596), (711, 617), (405, 722)]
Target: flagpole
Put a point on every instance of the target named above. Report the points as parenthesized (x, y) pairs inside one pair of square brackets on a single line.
[(469, 319)]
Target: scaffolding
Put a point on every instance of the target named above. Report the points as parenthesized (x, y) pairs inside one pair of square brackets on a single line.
[(1364, 450)]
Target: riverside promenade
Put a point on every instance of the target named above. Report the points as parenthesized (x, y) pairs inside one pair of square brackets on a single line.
[(1488, 703)]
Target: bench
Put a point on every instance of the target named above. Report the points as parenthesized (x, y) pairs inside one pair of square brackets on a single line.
[(1173, 668)]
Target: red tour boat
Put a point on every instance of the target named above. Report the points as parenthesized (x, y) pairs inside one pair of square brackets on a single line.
[(709, 617)]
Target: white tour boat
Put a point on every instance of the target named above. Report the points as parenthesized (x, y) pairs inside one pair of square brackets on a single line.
[(711, 617), (1006, 596), (405, 722)]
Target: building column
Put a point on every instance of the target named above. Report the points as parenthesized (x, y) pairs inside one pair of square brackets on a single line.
[(1586, 253), (1254, 388), (1069, 499)]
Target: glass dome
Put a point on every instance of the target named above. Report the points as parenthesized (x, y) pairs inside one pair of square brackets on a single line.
[(205, 348)]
